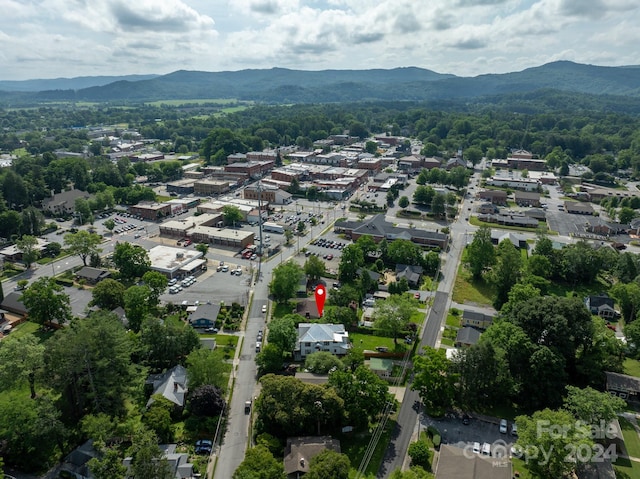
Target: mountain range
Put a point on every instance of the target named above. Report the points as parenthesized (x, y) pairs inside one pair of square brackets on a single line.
[(279, 85)]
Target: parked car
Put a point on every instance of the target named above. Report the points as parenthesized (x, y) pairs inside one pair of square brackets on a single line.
[(204, 446), (264, 308), (503, 426)]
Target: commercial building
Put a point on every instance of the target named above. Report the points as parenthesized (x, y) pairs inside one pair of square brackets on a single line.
[(208, 187), (269, 193), (64, 203), (151, 211), (175, 262)]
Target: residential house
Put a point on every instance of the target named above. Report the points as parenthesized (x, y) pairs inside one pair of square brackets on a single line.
[(467, 336), (604, 228), (602, 305), (488, 209), (412, 273), (313, 337), (527, 198), (383, 367), (622, 385), (456, 161), (13, 303), (64, 203), (517, 240), (179, 464), (205, 316), (476, 319), (536, 213), (457, 463), (577, 208), (92, 275), (172, 385), (496, 197), (300, 451)]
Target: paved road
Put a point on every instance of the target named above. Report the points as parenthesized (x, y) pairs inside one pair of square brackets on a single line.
[(408, 415)]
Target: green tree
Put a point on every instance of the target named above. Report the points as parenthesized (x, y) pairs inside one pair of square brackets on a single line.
[(420, 454), (83, 211), (314, 268), (157, 418), (415, 472), (46, 302), (147, 461), (202, 248), (632, 333), (157, 283), (278, 417), (83, 244), (329, 465), (403, 202), (164, 344), (506, 271), (21, 361), (541, 430), (89, 364), (109, 224), (131, 260), (288, 236), (259, 463), (322, 362), (433, 381), (438, 205), (403, 251), (137, 305), (108, 465), (473, 154), (625, 215), (108, 294), (27, 245), (592, 407), (231, 214), (283, 333), (363, 392), (269, 360), (351, 260), (285, 280), (392, 316), (480, 253), (366, 244), (628, 297), (204, 367)]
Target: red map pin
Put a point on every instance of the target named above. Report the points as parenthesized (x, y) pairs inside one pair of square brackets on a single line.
[(321, 295)]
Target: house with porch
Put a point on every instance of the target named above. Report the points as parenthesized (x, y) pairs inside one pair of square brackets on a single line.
[(314, 337)]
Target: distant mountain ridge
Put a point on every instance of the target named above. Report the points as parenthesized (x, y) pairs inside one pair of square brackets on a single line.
[(280, 85)]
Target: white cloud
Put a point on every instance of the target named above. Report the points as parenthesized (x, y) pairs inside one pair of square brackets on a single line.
[(47, 38)]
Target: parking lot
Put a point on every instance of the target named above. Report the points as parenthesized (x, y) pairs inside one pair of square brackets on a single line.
[(480, 430)]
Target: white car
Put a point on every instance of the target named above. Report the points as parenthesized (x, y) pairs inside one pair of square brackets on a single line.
[(476, 448), (264, 308), (503, 426)]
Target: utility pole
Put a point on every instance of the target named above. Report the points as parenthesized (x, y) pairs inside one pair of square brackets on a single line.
[(259, 230)]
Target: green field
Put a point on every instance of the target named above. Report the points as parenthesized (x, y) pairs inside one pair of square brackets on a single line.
[(468, 290), (356, 446), (370, 342), (631, 438), (631, 367), (199, 101)]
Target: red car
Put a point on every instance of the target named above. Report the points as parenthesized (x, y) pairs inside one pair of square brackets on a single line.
[(330, 257)]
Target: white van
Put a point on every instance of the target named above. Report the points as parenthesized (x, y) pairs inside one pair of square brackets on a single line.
[(486, 449)]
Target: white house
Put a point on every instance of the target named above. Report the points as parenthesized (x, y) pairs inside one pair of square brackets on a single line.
[(313, 337)]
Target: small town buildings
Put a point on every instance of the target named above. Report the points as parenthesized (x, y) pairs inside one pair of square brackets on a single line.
[(175, 262), (412, 273), (254, 169), (602, 305), (268, 193), (622, 385), (299, 452), (467, 336), (378, 228), (12, 302), (496, 197), (520, 221), (92, 275), (171, 385), (526, 198), (205, 316), (458, 463), (517, 184), (64, 203), (185, 186), (211, 186), (313, 337), (12, 253), (526, 164), (577, 208), (476, 319), (151, 211), (179, 464)]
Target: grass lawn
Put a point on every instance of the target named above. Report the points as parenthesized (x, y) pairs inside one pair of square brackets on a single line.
[(520, 466), (29, 327), (568, 290), (468, 290), (631, 367), (417, 318), (279, 310), (631, 438), (355, 447), (627, 469), (453, 320), (369, 341), (162, 198)]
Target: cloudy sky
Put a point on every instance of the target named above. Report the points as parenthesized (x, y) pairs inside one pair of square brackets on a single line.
[(67, 38)]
